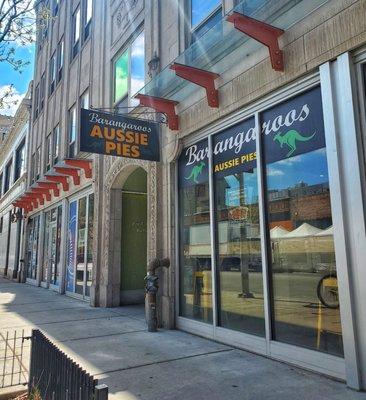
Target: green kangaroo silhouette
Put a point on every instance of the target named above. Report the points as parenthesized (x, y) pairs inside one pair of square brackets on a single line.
[(196, 172), (290, 138)]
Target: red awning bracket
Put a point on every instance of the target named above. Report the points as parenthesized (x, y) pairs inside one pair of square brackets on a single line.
[(46, 192), (263, 33), (59, 179), (50, 185), (86, 165), (71, 172), (161, 105), (200, 77)]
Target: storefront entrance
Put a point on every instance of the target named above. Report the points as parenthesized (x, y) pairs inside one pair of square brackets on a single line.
[(134, 238), (256, 236)]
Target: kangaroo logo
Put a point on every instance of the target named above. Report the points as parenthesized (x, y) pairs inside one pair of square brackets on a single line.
[(196, 172), (290, 138)]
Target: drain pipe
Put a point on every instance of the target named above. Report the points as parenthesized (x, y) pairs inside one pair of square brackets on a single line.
[(152, 286)]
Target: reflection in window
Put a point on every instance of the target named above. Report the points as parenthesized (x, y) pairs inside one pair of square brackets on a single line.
[(80, 248), (121, 77), (202, 9), (239, 252), (137, 66), (195, 250), (89, 255), (303, 267)]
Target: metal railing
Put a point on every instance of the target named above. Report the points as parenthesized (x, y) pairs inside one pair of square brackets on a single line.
[(55, 376), (14, 358)]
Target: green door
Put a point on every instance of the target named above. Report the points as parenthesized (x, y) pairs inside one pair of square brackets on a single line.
[(134, 243)]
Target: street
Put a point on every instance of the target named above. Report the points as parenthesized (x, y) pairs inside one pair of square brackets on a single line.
[(114, 345)]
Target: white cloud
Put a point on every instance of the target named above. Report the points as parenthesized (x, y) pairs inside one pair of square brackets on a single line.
[(11, 102), (275, 172)]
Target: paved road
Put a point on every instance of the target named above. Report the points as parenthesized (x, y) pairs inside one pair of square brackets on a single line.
[(114, 345)]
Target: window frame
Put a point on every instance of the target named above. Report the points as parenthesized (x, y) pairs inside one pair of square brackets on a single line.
[(60, 59), (52, 85), (72, 131), (76, 28), (7, 176), (125, 101), (193, 29), (87, 23), (48, 159), (56, 144), (18, 172)]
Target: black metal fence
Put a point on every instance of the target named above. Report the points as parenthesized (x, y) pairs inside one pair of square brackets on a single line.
[(54, 376), (14, 358)]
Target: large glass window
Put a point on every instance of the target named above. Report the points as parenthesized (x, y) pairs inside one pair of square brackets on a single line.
[(239, 264), (32, 250), (129, 72), (80, 246), (72, 132), (75, 32), (200, 10), (302, 276), (303, 269), (7, 179), (19, 161), (194, 221)]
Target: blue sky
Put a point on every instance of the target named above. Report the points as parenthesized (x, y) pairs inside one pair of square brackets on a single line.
[(310, 168), (19, 80)]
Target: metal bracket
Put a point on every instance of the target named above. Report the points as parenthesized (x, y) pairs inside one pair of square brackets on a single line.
[(200, 77), (263, 33), (86, 165), (161, 105), (46, 192), (59, 179), (50, 185), (71, 172)]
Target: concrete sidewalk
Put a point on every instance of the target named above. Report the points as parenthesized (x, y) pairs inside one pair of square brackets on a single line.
[(114, 345)]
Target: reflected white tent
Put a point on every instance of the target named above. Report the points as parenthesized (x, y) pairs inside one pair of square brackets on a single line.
[(304, 230), (326, 232), (278, 232)]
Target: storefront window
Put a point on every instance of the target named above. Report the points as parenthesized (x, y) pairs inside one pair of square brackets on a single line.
[(81, 242), (32, 251), (303, 269), (80, 246), (89, 255), (302, 277), (238, 245), (195, 251)]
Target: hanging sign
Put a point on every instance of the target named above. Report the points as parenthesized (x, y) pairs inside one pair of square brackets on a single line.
[(117, 135), (289, 129)]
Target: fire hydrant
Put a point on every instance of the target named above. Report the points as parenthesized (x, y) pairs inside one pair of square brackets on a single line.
[(152, 286)]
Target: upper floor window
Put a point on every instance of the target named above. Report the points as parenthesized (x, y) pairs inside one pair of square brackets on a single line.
[(72, 131), (56, 144), (84, 102), (42, 90), (1, 184), (36, 101), (75, 32), (53, 73), (55, 6), (60, 59), (88, 17), (7, 178), (204, 15), (19, 161), (48, 153), (38, 164), (129, 72)]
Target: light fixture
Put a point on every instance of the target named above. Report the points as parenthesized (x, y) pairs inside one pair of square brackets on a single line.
[(153, 64)]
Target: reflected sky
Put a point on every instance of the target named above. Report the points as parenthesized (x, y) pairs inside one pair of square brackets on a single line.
[(310, 168)]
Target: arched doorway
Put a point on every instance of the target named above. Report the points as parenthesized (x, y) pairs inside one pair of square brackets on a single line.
[(133, 237)]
